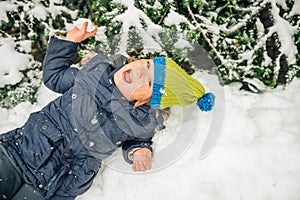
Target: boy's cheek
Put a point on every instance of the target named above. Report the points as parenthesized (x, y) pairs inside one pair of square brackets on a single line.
[(141, 93)]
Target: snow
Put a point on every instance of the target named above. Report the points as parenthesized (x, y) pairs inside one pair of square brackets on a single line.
[(133, 17), (35, 9), (6, 6), (296, 9), (11, 61), (282, 3), (182, 43), (55, 10), (100, 35), (39, 11), (79, 23), (174, 18), (24, 46), (285, 31)]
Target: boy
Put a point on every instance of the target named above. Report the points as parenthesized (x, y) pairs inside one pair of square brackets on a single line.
[(104, 106)]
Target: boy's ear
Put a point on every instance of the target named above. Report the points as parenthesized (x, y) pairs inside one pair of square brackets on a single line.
[(141, 102)]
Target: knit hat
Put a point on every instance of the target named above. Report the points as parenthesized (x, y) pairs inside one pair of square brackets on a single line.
[(173, 86)]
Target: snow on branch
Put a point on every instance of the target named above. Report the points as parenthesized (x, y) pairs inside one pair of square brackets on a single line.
[(133, 17)]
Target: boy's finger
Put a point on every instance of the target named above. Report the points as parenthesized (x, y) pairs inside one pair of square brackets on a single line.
[(84, 26), (149, 155), (141, 166), (137, 166), (148, 164), (133, 167), (94, 31)]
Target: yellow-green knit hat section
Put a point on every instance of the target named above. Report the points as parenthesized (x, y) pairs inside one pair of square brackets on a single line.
[(179, 88)]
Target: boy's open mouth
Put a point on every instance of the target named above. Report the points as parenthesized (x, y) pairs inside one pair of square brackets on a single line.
[(127, 76)]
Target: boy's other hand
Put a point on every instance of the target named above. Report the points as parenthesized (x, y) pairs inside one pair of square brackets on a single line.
[(142, 160), (78, 35)]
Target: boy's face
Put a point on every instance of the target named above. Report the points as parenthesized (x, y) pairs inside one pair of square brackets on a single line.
[(135, 79)]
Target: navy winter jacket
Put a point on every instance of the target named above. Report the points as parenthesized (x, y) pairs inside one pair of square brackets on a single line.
[(60, 148)]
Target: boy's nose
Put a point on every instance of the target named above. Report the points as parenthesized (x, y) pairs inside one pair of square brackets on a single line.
[(140, 73)]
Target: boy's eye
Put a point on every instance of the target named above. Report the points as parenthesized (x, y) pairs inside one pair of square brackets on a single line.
[(148, 64)]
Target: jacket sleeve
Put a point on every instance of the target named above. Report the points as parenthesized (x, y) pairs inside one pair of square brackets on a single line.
[(57, 73), (135, 143)]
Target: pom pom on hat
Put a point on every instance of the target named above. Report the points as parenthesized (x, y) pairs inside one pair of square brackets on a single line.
[(173, 86), (206, 102)]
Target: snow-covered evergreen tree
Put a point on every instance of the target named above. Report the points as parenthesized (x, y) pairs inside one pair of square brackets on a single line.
[(252, 42), (255, 43), (25, 26)]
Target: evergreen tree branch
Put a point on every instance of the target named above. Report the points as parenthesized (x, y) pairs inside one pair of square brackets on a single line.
[(164, 16), (4, 33), (194, 22)]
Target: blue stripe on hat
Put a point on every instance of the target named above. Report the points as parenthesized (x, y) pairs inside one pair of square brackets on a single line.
[(158, 81)]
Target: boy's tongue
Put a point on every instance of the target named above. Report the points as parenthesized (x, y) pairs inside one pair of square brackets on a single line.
[(127, 76)]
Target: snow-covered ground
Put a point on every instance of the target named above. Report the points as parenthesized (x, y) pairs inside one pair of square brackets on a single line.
[(257, 156)]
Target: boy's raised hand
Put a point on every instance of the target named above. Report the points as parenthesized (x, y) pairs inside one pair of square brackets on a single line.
[(78, 35), (142, 160)]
